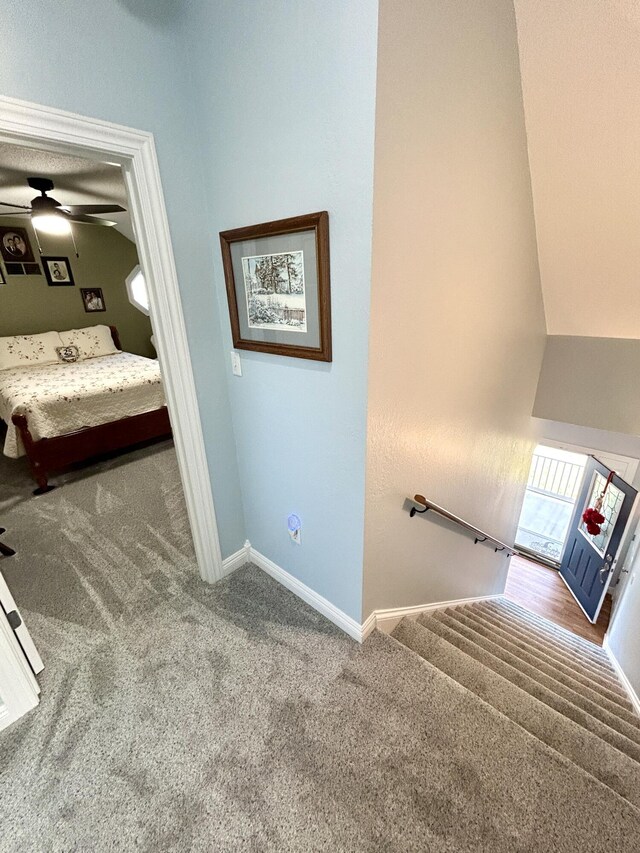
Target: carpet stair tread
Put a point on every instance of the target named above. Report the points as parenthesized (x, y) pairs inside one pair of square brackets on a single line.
[(546, 641), (545, 627), (575, 672), (592, 697), (582, 747), (588, 657), (514, 786), (608, 727)]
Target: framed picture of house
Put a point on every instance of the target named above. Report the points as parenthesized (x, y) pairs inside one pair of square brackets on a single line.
[(58, 271), (277, 278)]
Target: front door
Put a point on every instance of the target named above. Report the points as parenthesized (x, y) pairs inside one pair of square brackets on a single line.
[(588, 560)]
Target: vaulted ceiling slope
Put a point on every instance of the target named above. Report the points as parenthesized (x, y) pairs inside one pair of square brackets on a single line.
[(580, 65), (77, 181)]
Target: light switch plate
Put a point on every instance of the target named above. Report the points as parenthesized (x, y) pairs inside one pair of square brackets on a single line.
[(236, 364)]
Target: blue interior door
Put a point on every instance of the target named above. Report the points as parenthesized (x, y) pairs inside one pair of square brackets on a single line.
[(588, 561)]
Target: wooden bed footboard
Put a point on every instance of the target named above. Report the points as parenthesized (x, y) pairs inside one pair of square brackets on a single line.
[(53, 454)]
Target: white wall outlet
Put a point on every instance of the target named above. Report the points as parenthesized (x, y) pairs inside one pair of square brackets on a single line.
[(294, 526), (236, 364)]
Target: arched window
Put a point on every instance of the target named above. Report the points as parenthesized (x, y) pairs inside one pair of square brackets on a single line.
[(137, 290)]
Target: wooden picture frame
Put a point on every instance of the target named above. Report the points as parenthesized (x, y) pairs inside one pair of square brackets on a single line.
[(93, 299), (15, 245), (278, 286), (57, 271)]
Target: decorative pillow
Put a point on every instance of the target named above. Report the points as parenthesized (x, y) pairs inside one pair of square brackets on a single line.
[(29, 350), (92, 341), (67, 355)]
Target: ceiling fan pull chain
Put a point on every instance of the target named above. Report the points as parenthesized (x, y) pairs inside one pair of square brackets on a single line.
[(73, 240)]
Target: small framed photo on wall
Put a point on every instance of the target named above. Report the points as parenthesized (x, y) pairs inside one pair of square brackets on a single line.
[(92, 299), (3, 280), (58, 272), (15, 246)]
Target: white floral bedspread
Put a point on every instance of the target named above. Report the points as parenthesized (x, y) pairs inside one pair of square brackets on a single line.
[(61, 398)]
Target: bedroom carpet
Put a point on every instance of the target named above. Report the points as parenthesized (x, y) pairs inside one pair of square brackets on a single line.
[(176, 716)]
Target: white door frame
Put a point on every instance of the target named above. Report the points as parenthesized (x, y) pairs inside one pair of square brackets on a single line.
[(36, 126), (631, 461), (18, 686)]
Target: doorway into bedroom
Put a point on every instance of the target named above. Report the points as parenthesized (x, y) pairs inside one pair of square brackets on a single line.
[(92, 507)]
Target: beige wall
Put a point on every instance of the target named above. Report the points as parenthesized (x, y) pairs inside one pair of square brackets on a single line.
[(623, 636), (29, 305), (580, 79), (590, 382), (457, 324)]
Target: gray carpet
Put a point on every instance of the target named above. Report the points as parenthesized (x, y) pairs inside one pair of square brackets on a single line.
[(181, 717)]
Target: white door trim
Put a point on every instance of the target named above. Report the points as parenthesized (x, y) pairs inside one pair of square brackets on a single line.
[(632, 462), (18, 686), (24, 123)]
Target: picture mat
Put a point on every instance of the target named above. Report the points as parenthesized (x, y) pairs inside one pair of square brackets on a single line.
[(274, 306), (301, 241)]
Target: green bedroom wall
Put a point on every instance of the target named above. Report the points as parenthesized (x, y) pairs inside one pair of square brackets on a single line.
[(28, 305)]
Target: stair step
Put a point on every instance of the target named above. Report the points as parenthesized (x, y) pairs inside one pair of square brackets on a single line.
[(549, 640), (547, 628), (472, 778), (574, 671), (590, 654), (584, 748), (546, 668), (607, 726)]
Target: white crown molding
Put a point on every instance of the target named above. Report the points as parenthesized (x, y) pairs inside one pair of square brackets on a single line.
[(633, 696), (24, 123)]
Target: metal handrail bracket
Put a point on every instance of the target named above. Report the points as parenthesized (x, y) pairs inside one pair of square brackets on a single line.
[(419, 505)]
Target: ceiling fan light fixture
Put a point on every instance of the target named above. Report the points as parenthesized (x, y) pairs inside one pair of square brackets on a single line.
[(50, 223)]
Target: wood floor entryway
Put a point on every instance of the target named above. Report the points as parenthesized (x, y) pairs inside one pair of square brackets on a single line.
[(543, 591)]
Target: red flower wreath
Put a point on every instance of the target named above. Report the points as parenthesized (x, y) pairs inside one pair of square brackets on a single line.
[(593, 519)]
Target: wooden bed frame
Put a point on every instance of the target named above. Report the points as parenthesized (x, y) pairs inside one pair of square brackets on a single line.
[(53, 454)]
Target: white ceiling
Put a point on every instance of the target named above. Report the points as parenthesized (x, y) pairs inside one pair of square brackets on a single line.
[(77, 181), (580, 63)]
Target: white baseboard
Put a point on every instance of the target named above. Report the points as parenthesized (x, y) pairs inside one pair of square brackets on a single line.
[(235, 561), (633, 696), (386, 620), (322, 605)]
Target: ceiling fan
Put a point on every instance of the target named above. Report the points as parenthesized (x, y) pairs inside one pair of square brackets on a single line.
[(51, 217)]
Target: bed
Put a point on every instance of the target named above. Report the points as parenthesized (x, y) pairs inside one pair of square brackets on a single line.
[(59, 414)]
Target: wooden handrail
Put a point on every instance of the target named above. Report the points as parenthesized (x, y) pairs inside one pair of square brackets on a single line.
[(419, 505)]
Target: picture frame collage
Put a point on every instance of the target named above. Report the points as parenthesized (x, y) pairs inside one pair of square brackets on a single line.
[(18, 259)]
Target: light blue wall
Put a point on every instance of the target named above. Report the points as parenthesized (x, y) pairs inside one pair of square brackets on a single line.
[(286, 92), (260, 110), (124, 62)]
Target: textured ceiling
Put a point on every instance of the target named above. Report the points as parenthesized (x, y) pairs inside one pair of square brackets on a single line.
[(580, 63), (77, 181)]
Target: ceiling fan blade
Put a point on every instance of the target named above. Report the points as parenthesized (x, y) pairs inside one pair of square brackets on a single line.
[(86, 220), (21, 206), (16, 213), (93, 208)]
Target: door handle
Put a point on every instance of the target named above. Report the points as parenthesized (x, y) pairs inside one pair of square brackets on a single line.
[(604, 571)]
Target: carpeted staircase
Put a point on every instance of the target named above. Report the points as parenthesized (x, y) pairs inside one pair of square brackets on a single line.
[(556, 686)]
